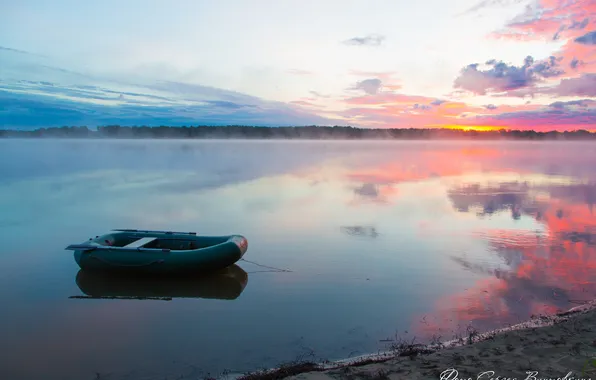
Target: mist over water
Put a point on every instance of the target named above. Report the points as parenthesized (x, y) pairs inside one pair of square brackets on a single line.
[(403, 238)]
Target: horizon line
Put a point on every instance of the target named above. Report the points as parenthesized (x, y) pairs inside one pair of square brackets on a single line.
[(463, 128)]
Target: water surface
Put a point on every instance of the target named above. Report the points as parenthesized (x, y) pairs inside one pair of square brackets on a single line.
[(381, 240)]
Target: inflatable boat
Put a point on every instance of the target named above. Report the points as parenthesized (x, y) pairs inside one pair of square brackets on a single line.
[(158, 252)]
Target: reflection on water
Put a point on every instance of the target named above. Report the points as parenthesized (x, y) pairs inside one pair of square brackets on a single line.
[(363, 231), (380, 238), (227, 284), (547, 269)]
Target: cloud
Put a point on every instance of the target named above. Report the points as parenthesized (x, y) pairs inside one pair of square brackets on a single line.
[(24, 111), (587, 39), (299, 72), (385, 76), (367, 190), (575, 63), (585, 85), (560, 20), (580, 103), (44, 96), (319, 95), (369, 86), (550, 20), (389, 98), (575, 25), (370, 40), (14, 50), (226, 104), (422, 107), (304, 103), (570, 115), (558, 116), (36, 92), (501, 77), (390, 110), (362, 231), (492, 3)]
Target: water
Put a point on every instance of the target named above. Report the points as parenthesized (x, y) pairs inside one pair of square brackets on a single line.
[(383, 240)]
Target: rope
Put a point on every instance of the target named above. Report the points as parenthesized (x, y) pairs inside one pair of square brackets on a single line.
[(265, 266)]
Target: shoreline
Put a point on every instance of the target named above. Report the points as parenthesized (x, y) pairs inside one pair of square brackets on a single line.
[(310, 132), (558, 346), (281, 138)]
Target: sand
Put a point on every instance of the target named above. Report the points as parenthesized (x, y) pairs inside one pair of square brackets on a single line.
[(547, 347)]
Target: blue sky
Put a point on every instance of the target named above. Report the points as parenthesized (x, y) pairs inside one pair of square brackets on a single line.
[(289, 62)]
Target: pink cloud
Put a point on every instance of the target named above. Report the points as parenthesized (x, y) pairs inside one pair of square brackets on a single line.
[(584, 85), (544, 28), (510, 35), (568, 72), (392, 87), (568, 20), (553, 19)]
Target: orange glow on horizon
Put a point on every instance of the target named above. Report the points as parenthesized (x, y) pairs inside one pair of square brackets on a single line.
[(492, 128), (477, 128)]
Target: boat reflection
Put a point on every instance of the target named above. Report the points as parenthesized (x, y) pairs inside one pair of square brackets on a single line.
[(226, 284)]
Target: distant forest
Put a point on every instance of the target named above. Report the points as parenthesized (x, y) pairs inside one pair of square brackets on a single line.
[(306, 132)]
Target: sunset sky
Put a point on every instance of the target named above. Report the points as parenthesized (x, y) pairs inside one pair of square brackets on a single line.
[(387, 64)]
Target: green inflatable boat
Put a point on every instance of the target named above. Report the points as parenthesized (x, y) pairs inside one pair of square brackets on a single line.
[(225, 284), (158, 252)]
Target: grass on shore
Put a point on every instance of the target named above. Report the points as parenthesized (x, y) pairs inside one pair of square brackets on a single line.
[(399, 347), (409, 348)]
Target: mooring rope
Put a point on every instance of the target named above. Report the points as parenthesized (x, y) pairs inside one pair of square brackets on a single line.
[(265, 266)]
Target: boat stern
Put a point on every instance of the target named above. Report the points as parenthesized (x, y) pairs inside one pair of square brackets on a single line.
[(241, 243)]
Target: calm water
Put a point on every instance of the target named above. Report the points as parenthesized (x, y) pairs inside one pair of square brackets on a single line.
[(381, 238)]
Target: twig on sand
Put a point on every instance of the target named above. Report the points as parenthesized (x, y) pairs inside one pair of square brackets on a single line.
[(578, 302), (283, 371)]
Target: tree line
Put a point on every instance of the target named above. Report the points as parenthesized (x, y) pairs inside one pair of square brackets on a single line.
[(302, 132)]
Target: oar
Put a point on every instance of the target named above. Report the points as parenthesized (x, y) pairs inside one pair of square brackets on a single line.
[(81, 247)]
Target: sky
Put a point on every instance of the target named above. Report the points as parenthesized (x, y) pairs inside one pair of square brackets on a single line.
[(480, 64)]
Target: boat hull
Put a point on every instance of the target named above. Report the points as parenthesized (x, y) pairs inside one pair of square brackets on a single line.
[(211, 253)]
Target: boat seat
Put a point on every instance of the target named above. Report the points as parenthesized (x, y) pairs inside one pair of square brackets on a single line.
[(141, 242)]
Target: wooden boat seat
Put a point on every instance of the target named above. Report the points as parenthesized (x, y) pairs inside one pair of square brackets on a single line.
[(141, 242)]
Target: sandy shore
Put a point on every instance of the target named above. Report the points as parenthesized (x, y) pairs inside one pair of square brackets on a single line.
[(559, 346)]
